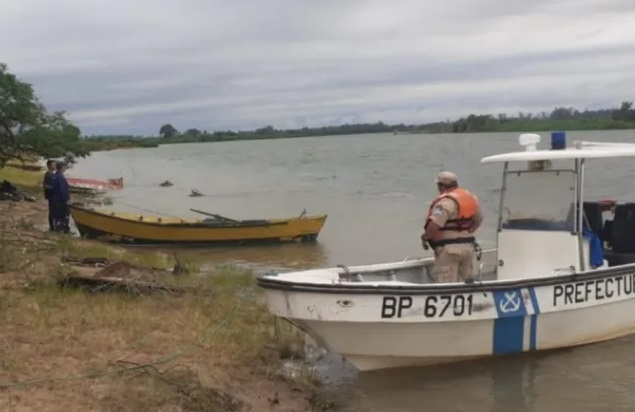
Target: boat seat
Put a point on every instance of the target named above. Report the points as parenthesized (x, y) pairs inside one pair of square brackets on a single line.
[(254, 222), (623, 229), (620, 236), (606, 232), (593, 215), (616, 259), (213, 222)]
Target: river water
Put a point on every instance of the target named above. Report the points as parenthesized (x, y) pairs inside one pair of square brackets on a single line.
[(375, 189)]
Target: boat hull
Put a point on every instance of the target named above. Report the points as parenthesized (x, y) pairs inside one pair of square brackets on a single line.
[(89, 191), (110, 184), (148, 230), (93, 187), (382, 327)]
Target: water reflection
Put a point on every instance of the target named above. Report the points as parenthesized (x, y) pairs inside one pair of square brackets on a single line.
[(592, 378), (513, 384), (493, 385)]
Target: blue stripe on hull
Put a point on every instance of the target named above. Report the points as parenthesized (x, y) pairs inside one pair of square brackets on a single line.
[(532, 332), (509, 327), (508, 335), (533, 328)]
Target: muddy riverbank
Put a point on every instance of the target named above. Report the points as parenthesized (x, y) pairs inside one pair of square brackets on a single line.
[(65, 348)]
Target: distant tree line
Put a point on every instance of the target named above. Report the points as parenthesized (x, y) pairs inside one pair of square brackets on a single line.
[(567, 118), (560, 118)]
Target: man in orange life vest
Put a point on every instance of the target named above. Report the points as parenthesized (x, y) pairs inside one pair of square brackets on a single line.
[(452, 219)]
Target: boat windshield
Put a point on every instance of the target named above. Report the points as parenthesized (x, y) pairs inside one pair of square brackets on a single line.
[(539, 200)]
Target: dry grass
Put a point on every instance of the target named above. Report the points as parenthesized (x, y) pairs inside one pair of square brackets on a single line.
[(67, 332), (217, 350), (220, 344)]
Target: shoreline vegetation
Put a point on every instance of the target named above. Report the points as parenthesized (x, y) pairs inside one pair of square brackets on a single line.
[(214, 347), (561, 118), (93, 326)]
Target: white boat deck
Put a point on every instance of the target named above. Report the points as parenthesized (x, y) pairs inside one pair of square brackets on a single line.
[(409, 272)]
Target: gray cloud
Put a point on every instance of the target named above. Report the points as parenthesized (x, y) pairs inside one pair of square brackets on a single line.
[(128, 67)]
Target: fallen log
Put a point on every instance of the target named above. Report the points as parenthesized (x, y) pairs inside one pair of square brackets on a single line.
[(90, 262), (123, 277), (103, 283)]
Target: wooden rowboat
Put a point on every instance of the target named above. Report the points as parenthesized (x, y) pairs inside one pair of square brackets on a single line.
[(216, 229), (93, 186)]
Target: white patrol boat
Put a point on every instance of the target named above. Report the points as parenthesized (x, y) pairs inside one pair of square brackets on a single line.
[(561, 276)]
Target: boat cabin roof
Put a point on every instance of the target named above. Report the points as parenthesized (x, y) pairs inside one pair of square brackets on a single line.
[(579, 150)]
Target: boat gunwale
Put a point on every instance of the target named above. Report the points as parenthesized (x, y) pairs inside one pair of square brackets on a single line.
[(267, 281), (201, 225)]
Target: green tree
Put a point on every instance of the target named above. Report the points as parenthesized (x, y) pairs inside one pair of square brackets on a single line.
[(167, 131), (625, 112), (193, 132), (27, 129)]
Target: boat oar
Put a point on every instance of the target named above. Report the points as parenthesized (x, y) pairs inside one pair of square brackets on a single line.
[(219, 217)]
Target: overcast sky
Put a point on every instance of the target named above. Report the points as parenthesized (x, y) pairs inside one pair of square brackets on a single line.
[(129, 66)]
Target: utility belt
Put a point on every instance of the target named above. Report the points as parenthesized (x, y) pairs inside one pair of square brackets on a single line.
[(461, 240), (451, 241)]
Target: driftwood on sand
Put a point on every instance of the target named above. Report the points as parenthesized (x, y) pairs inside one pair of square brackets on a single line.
[(121, 276), (107, 283)]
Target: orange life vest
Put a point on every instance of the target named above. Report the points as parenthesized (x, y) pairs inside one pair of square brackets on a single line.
[(467, 206)]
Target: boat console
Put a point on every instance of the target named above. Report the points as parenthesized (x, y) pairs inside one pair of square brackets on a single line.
[(542, 229)]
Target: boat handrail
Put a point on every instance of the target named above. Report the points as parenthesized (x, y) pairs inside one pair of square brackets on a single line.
[(384, 267), (600, 144), (348, 275), (569, 269)]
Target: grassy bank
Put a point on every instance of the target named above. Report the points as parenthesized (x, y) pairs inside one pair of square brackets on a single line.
[(70, 349), (29, 180)]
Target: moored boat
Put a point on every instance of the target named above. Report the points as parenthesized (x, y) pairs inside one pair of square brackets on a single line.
[(562, 275), (215, 229)]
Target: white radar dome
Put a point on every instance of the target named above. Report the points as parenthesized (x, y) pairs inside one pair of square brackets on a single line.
[(529, 140)]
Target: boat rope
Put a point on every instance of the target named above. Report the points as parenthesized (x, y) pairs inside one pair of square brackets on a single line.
[(479, 250), (147, 210), (186, 350)]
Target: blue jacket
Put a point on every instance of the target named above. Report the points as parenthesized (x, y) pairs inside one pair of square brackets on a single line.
[(60, 193), (596, 249), (49, 181)]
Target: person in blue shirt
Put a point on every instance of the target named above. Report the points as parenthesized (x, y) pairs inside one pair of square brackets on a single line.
[(47, 186), (60, 198)]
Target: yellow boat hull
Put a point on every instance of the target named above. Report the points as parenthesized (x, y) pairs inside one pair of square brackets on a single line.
[(145, 229)]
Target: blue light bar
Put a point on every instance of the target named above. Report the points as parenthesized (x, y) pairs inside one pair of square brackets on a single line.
[(558, 140)]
